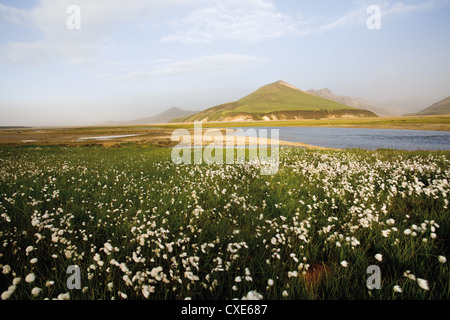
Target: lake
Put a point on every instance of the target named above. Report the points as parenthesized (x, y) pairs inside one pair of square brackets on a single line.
[(370, 139)]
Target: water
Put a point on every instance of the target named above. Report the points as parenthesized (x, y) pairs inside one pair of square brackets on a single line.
[(370, 139), (108, 137)]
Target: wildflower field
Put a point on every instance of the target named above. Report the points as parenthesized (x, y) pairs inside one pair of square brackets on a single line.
[(141, 227)]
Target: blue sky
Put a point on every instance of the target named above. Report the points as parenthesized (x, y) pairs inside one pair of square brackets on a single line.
[(136, 58)]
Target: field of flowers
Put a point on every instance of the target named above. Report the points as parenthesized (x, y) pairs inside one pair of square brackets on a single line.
[(140, 227)]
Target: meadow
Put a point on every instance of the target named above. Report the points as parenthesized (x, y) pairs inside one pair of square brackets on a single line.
[(141, 227)]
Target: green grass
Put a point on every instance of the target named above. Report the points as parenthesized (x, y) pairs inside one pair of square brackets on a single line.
[(278, 97), (220, 222)]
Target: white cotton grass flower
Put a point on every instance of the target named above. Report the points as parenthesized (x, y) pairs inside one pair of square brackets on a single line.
[(36, 291), (379, 257), (407, 231), (390, 221), (34, 260), (398, 289), (285, 294), (64, 296), (122, 295), (6, 294), (409, 275), (442, 259), (423, 284), (29, 249), (146, 290), (30, 277), (49, 283), (238, 279), (253, 295), (270, 282), (344, 263), (16, 281), (6, 269)]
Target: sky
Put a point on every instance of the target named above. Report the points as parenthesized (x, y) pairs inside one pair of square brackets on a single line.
[(82, 62)]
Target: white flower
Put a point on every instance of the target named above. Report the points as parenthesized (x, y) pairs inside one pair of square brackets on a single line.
[(270, 282), (6, 269), (108, 247), (385, 233), (442, 259), (146, 290), (64, 296), (379, 257), (407, 231), (16, 281), (36, 291), (398, 289), (6, 295), (122, 295), (285, 293), (34, 260), (433, 235), (253, 295), (238, 279), (390, 221), (29, 249), (344, 263), (292, 274), (155, 273), (30, 278), (49, 283), (423, 284)]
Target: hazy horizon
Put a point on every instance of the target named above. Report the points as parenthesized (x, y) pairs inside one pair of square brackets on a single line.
[(120, 60)]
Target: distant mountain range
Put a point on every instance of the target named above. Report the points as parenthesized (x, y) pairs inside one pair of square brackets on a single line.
[(282, 101), (278, 101), (163, 117), (355, 102), (438, 109)]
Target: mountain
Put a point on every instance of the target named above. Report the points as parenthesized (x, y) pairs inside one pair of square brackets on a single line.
[(163, 117), (278, 101), (355, 102), (438, 109)]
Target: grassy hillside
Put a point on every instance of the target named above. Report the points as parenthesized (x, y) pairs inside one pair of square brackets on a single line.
[(278, 100), (439, 108)]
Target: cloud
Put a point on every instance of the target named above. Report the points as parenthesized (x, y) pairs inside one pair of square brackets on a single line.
[(245, 21), (220, 63), (100, 19)]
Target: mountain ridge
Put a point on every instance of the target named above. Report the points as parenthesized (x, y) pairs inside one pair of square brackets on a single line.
[(163, 117), (355, 102), (439, 108), (278, 101)]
